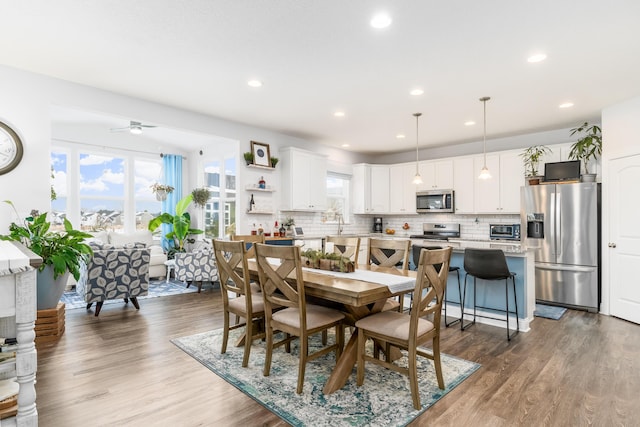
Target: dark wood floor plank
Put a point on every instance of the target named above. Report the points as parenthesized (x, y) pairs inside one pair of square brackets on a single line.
[(121, 369)]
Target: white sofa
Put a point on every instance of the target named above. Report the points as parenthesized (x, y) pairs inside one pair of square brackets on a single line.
[(157, 268)]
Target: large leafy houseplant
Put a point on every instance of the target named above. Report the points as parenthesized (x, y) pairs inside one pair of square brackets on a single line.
[(181, 223), (64, 251), (589, 146), (531, 158)]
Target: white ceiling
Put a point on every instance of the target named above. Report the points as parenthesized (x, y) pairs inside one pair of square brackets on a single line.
[(318, 56)]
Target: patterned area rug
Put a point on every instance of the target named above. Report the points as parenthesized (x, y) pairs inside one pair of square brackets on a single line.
[(383, 400), (157, 288), (549, 311)]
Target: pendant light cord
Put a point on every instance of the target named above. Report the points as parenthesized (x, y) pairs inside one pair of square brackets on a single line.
[(417, 115), (484, 100)]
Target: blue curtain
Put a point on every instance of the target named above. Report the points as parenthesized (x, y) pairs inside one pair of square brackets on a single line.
[(172, 165)]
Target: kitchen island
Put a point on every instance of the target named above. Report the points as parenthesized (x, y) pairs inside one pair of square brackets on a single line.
[(490, 293)]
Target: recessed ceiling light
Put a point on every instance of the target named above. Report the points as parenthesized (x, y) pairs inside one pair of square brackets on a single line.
[(566, 105), (254, 83), (400, 136), (416, 92), (469, 123), (380, 20), (339, 114), (345, 145), (537, 57)]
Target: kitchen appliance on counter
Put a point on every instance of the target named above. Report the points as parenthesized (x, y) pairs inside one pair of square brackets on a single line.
[(431, 231), (377, 224), (434, 201), (504, 232), (563, 224)]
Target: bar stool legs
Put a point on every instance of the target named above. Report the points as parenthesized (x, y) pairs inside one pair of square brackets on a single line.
[(447, 324), (472, 322)]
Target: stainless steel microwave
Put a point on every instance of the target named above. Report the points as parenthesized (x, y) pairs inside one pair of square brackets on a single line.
[(434, 201)]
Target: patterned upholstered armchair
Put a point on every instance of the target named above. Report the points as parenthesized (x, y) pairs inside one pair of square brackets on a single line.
[(197, 266), (115, 273)]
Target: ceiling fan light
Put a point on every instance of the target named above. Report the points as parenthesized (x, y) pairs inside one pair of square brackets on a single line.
[(135, 129)]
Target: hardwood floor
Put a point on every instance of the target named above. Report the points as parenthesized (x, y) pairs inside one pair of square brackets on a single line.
[(121, 369)]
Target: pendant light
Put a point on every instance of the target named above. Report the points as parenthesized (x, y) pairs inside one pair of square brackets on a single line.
[(484, 173), (417, 180)]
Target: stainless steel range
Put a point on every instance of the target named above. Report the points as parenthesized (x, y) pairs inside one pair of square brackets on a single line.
[(432, 231)]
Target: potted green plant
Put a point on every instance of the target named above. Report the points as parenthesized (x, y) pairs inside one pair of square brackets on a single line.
[(201, 196), (531, 158), (181, 222), (274, 161), (248, 157), (587, 148), (62, 253), (161, 190)]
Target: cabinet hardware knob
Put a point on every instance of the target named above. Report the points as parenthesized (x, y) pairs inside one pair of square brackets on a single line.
[(612, 245)]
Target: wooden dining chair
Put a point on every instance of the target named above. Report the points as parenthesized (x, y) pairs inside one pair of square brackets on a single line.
[(297, 319), (249, 240), (347, 247), (409, 331), (234, 278), (390, 253)]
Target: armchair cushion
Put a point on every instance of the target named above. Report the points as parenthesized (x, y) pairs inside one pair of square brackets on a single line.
[(196, 266), (116, 273)]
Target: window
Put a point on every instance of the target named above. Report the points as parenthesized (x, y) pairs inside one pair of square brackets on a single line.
[(337, 197), (58, 189), (103, 190), (146, 172), (220, 212)]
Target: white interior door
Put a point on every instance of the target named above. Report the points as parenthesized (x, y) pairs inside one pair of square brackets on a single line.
[(624, 238)]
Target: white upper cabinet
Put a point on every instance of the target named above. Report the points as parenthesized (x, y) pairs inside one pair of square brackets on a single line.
[(463, 182), (436, 175), (304, 180), (370, 189), (487, 191), (402, 197), (511, 179), (500, 193)]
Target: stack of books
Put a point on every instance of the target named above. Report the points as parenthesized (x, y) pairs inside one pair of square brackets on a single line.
[(8, 348)]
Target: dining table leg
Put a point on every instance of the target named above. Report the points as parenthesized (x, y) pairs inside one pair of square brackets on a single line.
[(347, 361)]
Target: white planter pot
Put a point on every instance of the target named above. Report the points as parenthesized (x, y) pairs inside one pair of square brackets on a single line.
[(49, 290), (588, 177)]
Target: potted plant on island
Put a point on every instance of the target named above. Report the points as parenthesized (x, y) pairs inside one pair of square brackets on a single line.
[(587, 148), (531, 157), (181, 222), (161, 191), (62, 253)]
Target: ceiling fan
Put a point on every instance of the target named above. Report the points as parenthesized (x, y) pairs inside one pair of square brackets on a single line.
[(134, 127)]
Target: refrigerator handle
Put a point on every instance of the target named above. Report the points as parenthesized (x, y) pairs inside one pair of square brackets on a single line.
[(552, 224), (558, 225)]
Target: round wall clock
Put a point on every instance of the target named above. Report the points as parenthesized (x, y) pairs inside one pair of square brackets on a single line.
[(10, 149)]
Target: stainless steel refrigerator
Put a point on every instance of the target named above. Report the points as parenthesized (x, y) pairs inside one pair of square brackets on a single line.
[(562, 223)]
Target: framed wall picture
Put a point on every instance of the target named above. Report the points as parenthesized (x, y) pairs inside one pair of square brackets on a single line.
[(261, 155)]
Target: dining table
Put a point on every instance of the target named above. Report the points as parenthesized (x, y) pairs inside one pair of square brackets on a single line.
[(359, 294)]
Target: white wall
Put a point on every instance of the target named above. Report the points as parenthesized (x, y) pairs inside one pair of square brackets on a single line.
[(26, 103), (620, 138)]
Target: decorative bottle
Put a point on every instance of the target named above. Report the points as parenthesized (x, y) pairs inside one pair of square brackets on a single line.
[(260, 230), (276, 230), (283, 231), (252, 204), (253, 230), (262, 183)]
